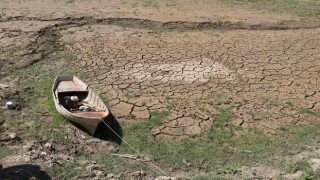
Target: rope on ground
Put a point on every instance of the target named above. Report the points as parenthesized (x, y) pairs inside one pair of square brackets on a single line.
[(157, 167)]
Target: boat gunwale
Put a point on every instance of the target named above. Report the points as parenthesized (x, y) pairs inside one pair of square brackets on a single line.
[(87, 89)]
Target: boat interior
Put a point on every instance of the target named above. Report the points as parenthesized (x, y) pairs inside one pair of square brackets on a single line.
[(67, 87), (82, 95), (82, 100)]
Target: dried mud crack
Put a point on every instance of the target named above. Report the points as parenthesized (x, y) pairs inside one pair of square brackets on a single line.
[(264, 78)]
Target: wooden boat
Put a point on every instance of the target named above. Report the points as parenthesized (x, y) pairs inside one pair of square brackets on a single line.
[(70, 86)]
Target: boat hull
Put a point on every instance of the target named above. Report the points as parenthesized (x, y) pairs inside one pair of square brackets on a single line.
[(88, 120)]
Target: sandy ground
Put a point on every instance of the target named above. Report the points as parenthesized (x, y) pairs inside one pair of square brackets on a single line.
[(158, 10)]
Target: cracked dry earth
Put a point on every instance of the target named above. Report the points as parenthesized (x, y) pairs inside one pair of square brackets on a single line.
[(173, 61), (266, 77)]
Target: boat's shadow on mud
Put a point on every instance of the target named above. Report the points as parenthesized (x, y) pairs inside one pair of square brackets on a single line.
[(104, 132)]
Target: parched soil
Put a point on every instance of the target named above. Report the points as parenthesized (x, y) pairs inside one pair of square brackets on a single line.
[(192, 61), (269, 75)]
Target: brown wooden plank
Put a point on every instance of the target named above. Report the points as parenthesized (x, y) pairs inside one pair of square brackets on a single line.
[(65, 86)]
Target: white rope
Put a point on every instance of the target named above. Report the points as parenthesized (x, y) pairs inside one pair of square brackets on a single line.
[(157, 167)]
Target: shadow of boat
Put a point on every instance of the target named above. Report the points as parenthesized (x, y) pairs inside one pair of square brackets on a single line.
[(103, 131)]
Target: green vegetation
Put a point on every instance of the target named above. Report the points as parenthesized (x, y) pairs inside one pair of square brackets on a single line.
[(4, 152), (309, 174), (190, 150), (259, 115), (2, 12), (140, 132), (293, 167), (309, 111), (218, 99), (90, 28), (105, 99), (150, 3), (173, 104), (118, 164), (221, 152), (304, 166), (40, 78), (69, 170), (132, 95), (70, 1), (290, 104), (20, 47), (66, 42), (272, 101), (301, 8), (70, 57), (131, 116), (83, 75), (229, 169), (223, 116), (108, 65)]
